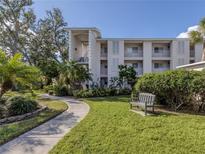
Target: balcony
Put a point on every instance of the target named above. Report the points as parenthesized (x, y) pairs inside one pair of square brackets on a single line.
[(163, 53), (83, 60), (139, 54), (103, 52), (103, 73)]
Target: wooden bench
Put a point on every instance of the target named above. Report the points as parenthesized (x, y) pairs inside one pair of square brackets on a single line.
[(144, 101)]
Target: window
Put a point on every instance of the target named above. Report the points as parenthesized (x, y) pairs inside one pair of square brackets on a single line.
[(134, 50), (156, 65), (105, 50), (115, 47)]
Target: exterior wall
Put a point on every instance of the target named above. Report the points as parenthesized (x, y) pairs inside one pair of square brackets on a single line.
[(174, 50), (183, 52), (198, 52), (147, 57), (94, 57), (114, 59), (71, 46)]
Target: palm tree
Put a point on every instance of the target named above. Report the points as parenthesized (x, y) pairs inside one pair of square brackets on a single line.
[(74, 74), (197, 36), (13, 71)]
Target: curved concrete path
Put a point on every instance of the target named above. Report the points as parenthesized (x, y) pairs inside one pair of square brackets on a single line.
[(41, 139)]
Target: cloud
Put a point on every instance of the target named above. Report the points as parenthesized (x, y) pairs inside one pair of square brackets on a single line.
[(185, 34)]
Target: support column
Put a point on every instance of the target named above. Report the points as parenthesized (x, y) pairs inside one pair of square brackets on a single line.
[(147, 57), (94, 57)]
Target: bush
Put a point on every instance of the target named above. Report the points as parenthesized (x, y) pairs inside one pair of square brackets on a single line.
[(2, 111), (19, 105), (173, 88), (60, 90), (100, 92), (48, 88)]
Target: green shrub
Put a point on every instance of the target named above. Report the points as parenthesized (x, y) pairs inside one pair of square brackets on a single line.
[(173, 88), (2, 111), (124, 91), (19, 105), (60, 90), (100, 92)]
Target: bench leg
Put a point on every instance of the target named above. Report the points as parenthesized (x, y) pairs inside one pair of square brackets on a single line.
[(130, 106), (145, 110), (153, 109)]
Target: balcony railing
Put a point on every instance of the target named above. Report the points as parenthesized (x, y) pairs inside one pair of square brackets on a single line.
[(139, 54), (103, 54), (164, 53)]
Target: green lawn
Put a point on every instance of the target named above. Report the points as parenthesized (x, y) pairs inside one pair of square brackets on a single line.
[(9, 131), (111, 128)]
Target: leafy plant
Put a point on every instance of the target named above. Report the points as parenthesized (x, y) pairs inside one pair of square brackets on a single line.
[(19, 105), (74, 75), (13, 72)]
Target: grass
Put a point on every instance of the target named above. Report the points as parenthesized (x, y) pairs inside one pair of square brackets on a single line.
[(10, 131), (111, 128)]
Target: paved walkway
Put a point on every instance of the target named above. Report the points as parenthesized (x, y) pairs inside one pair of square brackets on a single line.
[(41, 139)]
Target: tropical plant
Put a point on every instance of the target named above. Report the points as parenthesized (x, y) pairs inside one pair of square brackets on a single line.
[(13, 71), (197, 36), (74, 75)]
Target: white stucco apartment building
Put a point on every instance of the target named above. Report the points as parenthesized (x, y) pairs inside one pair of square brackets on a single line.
[(103, 55)]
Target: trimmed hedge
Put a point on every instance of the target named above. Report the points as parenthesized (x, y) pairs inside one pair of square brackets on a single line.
[(176, 88)]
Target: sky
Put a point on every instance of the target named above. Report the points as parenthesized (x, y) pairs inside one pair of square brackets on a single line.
[(128, 18)]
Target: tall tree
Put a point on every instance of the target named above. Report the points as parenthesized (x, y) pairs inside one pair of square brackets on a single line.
[(51, 39), (16, 23), (198, 35), (50, 44)]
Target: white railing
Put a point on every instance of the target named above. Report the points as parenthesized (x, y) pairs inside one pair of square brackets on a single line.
[(103, 54), (140, 54), (163, 53)]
